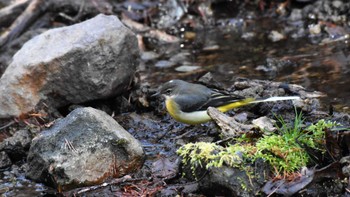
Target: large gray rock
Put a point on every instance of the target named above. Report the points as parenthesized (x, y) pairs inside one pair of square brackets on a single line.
[(90, 60), (85, 148)]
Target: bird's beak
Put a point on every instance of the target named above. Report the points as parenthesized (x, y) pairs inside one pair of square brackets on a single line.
[(155, 94)]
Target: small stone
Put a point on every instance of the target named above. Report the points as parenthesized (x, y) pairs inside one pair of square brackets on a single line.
[(149, 55), (241, 117), (276, 36), (213, 47), (315, 29), (337, 4), (296, 15), (248, 35), (185, 68), (188, 35), (265, 124), (180, 57), (164, 64), (5, 160)]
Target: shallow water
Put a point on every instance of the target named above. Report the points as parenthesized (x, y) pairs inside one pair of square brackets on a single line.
[(229, 53)]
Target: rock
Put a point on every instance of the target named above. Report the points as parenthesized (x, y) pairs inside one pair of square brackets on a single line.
[(230, 182), (149, 55), (14, 46), (5, 160), (296, 15), (276, 36), (345, 161), (187, 68), (85, 148), (172, 11), (272, 66), (248, 36), (181, 57), (337, 4), (18, 145), (265, 124), (164, 64), (91, 60)]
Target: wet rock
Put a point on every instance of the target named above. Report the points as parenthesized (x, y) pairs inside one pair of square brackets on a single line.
[(334, 11), (85, 148), (86, 61), (211, 46), (5, 160), (181, 57), (241, 117), (272, 66), (345, 161), (315, 29), (248, 36), (172, 12), (296, 15), (18, 145), (13, 183), (229, 182), (149, 55), (164, 64)]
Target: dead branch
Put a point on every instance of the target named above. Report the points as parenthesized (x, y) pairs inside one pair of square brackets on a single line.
[(9, 14), (31, 13)]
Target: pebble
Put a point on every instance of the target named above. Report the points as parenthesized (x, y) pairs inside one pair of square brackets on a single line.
[(276, 36), (149, 55), (164, 64), (185, 68)]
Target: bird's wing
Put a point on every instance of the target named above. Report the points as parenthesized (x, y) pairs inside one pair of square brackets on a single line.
[(218, 99), (191, 102)]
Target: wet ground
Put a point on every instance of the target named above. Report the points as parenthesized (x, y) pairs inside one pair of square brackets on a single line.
[(229, 47), (230, 52)]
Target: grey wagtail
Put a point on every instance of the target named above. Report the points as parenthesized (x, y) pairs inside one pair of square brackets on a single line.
[(188, 102)]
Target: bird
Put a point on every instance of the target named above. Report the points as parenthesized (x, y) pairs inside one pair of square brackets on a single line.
[(188, 102)]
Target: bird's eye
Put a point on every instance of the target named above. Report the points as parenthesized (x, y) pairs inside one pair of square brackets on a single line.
[(168, 91)]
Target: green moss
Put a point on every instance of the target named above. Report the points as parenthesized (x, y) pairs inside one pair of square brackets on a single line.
[(282, 150)]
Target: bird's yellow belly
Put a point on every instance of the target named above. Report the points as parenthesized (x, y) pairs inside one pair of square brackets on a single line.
[(192, 118)]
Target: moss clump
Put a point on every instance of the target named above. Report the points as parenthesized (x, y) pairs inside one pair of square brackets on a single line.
[(281, 150)]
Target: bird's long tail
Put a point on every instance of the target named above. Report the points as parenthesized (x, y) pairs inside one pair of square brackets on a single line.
[(275, 98), (248, 101)]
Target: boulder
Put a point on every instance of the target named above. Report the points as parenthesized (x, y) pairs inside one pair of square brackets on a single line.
[(85, 148), (91, 60)]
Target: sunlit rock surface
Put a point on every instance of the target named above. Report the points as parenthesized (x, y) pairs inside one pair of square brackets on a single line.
[(90, 60)]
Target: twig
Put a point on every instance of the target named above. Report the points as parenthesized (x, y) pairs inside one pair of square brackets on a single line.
[(32, 12), (76, 17), (70, 146), (274, 191), (8, 14), (8, 124), (115, 181)]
